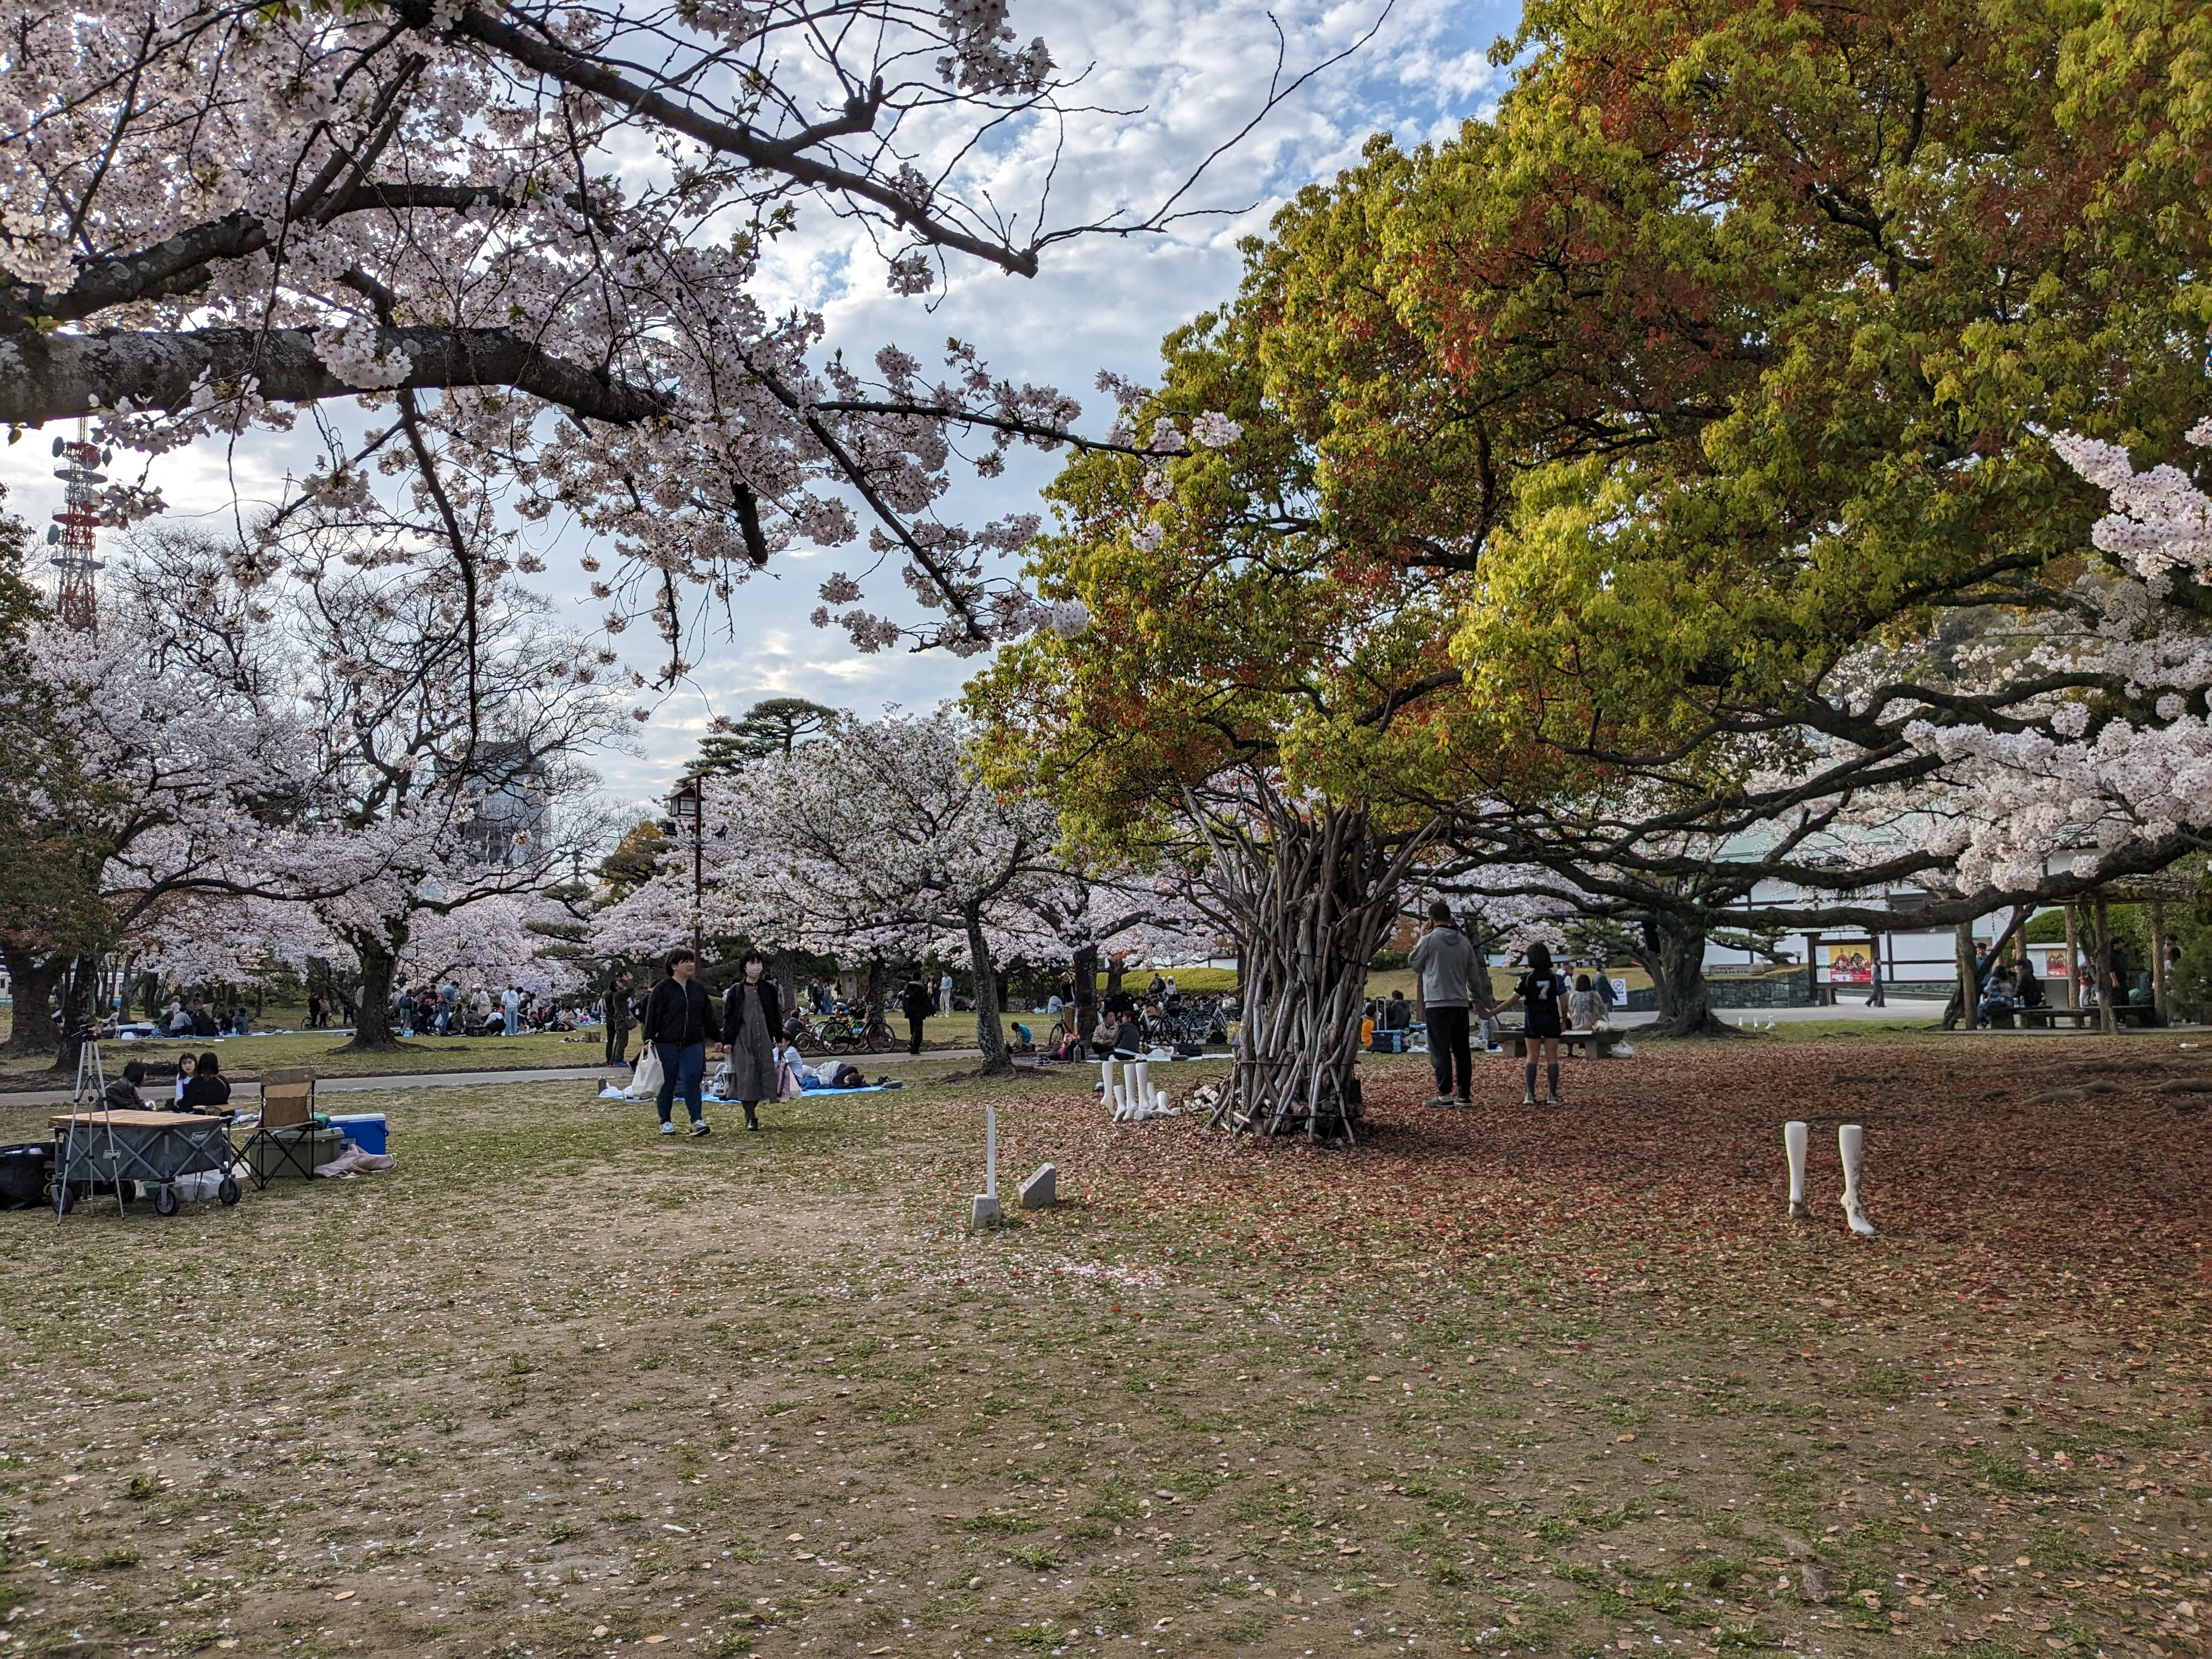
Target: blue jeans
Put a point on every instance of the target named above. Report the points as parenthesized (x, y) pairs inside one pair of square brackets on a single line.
[(683, 1067)]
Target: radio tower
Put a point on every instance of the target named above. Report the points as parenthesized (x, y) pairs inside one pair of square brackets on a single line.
[(75, 532)]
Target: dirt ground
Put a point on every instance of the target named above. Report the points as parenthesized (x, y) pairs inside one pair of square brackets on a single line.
[(1496, 1380)]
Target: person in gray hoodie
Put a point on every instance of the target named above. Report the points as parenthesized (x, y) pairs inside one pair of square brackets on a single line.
[(1445, 958)]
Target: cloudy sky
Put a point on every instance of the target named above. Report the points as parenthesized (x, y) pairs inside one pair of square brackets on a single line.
[(1195, 72)]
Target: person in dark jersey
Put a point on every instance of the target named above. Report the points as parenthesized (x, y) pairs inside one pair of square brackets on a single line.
[(1543, 992)]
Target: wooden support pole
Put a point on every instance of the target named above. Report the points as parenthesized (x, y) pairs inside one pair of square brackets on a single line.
[(2108, 1018), (1962, 953), (2158, 961), (2073, 954)]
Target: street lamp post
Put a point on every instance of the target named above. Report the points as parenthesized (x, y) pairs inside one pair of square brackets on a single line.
[(695, 797)]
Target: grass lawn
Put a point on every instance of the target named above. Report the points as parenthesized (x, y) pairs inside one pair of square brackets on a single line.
[(1495, 1381), (244, 1058)]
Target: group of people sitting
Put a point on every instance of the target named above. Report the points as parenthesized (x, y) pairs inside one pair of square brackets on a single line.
[(1127, 1028), (197, 1019), (200, 1088)]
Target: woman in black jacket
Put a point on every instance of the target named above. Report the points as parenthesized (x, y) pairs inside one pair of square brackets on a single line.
[(209, 1091), (752, 1019)]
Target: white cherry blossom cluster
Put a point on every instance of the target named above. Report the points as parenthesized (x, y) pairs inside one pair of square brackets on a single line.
[(2122, 760)]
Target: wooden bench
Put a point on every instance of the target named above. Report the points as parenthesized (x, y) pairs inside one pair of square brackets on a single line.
[(2130, 1014)]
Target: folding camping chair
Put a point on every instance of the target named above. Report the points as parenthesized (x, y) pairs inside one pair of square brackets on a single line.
[(288, 1118)]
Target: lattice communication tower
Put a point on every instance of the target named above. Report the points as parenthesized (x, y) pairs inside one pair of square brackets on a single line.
[(75, 532)]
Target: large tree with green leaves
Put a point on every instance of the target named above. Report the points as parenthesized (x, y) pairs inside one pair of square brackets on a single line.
[(1691, 398)]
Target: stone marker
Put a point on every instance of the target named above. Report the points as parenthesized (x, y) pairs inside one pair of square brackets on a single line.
[(986, 1212), (1041, 1190)]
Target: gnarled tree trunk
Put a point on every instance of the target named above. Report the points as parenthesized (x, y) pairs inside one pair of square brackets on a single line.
[(990, 1036), (1674, 956), (372, 1026), (31, 979), (783, 969), (1308, 895)]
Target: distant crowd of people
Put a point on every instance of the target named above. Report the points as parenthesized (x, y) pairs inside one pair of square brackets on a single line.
[(197, 1019), (448, 1011)]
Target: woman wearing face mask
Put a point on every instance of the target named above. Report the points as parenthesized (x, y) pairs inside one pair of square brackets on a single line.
[(751, 1017)]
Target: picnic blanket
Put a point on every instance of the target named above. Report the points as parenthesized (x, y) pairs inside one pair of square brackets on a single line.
[(609, 1092)]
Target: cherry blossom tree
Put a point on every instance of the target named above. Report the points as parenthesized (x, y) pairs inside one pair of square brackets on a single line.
[(879, 842), (168, 783), (529, 239), (440, 719)]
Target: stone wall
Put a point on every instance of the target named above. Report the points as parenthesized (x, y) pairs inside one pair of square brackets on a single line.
[(1793, 989)]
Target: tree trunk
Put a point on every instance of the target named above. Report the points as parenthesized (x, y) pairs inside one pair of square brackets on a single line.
[(1644, 944), (990, 1037), (1085, 984), (878, 988), (1964, 994), (77, 982), (1684, 1003), (2073, 955), (2158, 993), (2108, 986), (372, 1027), (1309, 905), (1114, 969), (33, 982), (785, 972), (614, 998)]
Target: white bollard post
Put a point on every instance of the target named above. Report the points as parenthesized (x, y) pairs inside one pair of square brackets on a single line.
[(1106, 1079), (1851, 1142), (985, 1210), (1142, 1094), (1795, 1137)]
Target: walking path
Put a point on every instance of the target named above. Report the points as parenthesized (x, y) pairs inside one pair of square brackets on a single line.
[(371, 1084)]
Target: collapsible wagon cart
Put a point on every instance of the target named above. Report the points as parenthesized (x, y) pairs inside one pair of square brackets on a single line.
[(93, 1150)]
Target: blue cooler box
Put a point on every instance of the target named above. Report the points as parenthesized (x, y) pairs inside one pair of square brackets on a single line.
[(364, 1129)]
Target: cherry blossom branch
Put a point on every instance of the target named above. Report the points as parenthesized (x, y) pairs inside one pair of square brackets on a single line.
[(48, 377)]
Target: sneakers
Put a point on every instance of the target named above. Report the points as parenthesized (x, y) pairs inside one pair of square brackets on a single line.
[(1461, 1100), (666, 1128), (1528, 1097), (1438, 1100), (1553, 1100), (700, 1127)]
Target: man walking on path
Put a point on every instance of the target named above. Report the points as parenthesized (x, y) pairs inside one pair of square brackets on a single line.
[(679, 1022), (915, 1005), (1443, 957)]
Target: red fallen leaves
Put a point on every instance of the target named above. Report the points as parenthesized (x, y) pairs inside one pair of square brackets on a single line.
[(1664, 1176)]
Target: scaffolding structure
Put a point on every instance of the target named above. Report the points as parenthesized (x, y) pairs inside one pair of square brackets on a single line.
[(75, 532)]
